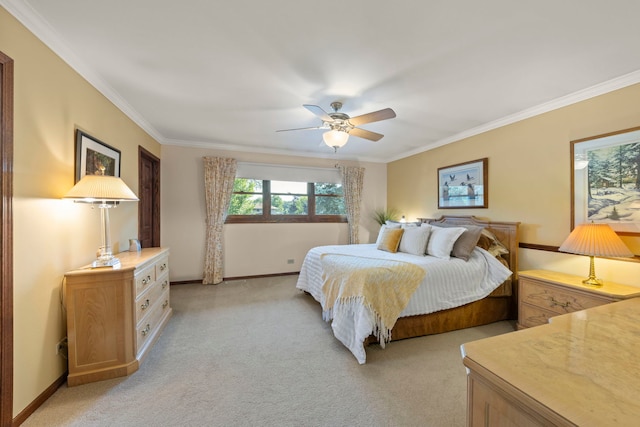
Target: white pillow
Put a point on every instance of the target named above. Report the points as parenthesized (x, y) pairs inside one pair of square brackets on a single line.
[(381, 232), (414, 240), (442, 240)]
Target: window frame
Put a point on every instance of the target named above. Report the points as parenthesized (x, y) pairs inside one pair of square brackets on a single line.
[(268, 218)]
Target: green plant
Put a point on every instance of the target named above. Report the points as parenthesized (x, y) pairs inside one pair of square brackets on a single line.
[(383, 215)]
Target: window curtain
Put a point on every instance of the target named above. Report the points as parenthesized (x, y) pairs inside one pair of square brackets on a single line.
[(219, 176), (352, 183)]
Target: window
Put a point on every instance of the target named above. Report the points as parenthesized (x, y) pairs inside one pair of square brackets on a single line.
[(255, 200)]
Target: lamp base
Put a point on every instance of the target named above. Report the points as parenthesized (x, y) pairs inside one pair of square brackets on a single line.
[(592, 280), (112, 262)]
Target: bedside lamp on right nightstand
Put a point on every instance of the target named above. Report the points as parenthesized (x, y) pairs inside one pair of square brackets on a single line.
[(593, 239)]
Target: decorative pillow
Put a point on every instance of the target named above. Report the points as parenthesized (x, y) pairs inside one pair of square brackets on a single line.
[(383, 228), (414, 240), (391, 240), (490, 243), (442, 240), (466, 242)]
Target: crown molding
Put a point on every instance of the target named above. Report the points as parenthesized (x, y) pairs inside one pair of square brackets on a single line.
[(572, 98), (35, 23), (263, 150)]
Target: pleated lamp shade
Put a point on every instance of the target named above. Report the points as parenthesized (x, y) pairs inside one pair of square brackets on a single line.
[(595, 240), (101, 188)]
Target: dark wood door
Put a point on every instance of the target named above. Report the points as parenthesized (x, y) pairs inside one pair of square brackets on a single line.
[(149, 195)]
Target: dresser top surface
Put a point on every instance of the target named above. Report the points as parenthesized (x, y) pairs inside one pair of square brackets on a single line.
[(128, 261), (608, 288), (582, 365)]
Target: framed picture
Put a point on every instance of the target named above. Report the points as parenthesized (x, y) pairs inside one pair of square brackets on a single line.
[(605, 181), (94, 157), (463, 185)]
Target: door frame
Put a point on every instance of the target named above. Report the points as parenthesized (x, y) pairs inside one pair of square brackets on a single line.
[(6, 234)]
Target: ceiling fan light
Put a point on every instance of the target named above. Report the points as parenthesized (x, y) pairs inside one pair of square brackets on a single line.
[(335, 138)]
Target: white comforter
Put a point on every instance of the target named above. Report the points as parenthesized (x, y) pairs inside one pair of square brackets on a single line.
[(447, 284)]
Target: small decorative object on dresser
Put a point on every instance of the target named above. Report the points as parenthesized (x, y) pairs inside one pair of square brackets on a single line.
[(545, 294), (115, 315)]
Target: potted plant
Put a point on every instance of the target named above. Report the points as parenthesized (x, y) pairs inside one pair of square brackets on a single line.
[(381, 216)]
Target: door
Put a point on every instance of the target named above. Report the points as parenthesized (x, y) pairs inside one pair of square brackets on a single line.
[(149, 195)]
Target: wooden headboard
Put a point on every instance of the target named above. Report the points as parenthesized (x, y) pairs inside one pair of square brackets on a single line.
[(506, 232)]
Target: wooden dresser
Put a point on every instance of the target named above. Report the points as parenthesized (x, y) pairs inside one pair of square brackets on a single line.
[(581, 369), (115, 315), (544, 294)]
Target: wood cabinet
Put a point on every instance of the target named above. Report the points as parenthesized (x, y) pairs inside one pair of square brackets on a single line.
[(115, 315), (579, 370), (544, 294)]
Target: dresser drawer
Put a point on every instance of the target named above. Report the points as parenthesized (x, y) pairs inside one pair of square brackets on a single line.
[(530, 316), (555, 299), (148, 300), (144, 279), (152, 321), (162, 267)]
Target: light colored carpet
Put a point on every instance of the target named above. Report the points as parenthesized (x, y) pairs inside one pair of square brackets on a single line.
[(257, 353)]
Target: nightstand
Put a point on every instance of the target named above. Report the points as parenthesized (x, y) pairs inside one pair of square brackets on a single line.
[(544, 294)]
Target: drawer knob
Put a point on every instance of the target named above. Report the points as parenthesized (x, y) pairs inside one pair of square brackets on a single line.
[(561, 304), (164, 284), (166, 303), (145, 305), (146, 330), (163, 267), (146, 280)]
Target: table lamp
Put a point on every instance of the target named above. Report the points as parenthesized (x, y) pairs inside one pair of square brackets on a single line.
[(593, 239), (106, 192)]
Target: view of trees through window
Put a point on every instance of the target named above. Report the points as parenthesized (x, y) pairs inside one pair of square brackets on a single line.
[(265, 200)]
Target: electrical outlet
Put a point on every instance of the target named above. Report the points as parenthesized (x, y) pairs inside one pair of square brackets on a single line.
[(290, 261)]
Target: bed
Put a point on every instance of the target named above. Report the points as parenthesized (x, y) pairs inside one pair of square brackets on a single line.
[(453, 293)]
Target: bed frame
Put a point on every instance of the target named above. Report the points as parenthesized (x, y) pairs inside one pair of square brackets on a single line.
[(487, 310)]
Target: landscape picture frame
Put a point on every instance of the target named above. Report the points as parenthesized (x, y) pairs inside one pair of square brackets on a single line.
[(605, 181), (94, 157), (464, 185)]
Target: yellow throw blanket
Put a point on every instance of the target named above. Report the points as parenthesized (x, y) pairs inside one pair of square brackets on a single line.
[(382, 286)]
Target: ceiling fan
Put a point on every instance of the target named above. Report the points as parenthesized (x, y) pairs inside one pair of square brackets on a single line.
[(340, 125)]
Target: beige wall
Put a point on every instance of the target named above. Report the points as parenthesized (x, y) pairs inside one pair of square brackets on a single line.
[(250, 249), (529, 178), (52, 236)]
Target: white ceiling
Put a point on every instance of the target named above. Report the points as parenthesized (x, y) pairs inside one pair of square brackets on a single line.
[(228, 74)]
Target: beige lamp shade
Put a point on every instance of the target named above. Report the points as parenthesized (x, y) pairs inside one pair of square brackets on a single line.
[(595, 240), (101, 188)]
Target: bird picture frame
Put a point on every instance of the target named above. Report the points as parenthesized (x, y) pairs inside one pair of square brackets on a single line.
[(464, 185)]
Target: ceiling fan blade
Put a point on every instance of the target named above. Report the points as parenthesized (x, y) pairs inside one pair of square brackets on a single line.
[(319, 112), (376, 116), (366, 134), (309, 128)]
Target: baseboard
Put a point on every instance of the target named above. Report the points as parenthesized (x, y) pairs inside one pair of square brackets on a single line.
[(259, 276), (47, 393)]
